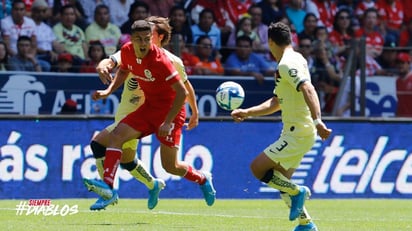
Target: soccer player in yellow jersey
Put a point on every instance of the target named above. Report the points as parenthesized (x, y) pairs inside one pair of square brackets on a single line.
[(296, 97), (132, 97)]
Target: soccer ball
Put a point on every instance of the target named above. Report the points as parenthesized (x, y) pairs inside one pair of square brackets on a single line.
[(229, 95)]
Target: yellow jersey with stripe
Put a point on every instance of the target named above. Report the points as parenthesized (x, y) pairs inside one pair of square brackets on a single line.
[(292, 72)]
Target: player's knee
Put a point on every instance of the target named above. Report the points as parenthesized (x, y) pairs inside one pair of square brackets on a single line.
[(129, 166), (98, 150), (267, 176)]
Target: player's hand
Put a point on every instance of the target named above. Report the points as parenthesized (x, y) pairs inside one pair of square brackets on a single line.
[(193, 122), (164, 129), (239, 115), (323, 131), (104, 69), (100, 94)]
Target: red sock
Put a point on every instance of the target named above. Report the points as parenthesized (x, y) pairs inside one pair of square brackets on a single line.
[(111, 162), (195, 175)]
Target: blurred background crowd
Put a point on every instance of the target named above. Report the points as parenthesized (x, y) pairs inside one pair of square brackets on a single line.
[(214, 37)]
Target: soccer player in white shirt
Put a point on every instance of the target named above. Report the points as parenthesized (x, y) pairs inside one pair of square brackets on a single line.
[(296, 97)]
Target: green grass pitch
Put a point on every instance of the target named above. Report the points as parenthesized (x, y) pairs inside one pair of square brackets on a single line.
[(242, 215)]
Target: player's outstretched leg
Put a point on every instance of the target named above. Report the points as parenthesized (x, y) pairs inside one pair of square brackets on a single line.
[(208, 190), (102, 203), (139, 172), (298, 194), (158, 186), (298, 201), (108, 196), (307, 227), (305, 220)]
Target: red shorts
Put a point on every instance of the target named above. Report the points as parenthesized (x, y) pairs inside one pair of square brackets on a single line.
[(147, 120)]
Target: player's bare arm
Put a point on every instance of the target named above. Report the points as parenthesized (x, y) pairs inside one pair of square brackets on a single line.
[(118, 81), (312, 100), (191, 98), (104, 68), (178, 103), (268, 107)]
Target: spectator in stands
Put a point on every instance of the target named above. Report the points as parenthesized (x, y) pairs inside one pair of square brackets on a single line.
[(48, 47), (226, 14), (206, 27), (326, 9), (80, 17), (296, 14), (4, 57), (404, 85), (16, 25), (407, 10), (260, 29), (69, 107), (244, 27), (25, 59), (272, 11), (118, 9), (6, 9), (362, 6), (89, 7), (103, 30), (405, 38), (326, 76), (374, 39), (65, 63), (387, 59), (305, 48), (342, 33), (96, 54), (180, 24), (207, 64), (310, 23), (160, 7), (243, 62), (71, 36), (138, 11), (390, 17)]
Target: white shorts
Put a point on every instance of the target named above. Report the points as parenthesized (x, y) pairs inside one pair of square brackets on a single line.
[(289, 150)]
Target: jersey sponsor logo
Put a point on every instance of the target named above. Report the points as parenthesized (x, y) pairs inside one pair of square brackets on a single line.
[(21, 95), (132, 84)]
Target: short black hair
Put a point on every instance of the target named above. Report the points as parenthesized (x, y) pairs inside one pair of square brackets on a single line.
[(244, 38), (140, 25), (279, 33), (24, 38)]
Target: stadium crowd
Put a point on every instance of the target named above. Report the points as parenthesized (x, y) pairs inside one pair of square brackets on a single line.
[(212, 37)]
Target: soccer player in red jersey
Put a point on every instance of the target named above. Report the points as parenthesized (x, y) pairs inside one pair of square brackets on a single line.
[(162, 113)]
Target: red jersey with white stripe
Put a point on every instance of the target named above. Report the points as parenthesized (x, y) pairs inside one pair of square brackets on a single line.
[(374, 42), (363, 6), (392, 13), (327, 10), (155, 74)]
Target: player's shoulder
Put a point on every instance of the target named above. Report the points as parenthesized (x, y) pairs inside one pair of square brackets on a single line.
[(172, 57), (127, 47), (291, 58)]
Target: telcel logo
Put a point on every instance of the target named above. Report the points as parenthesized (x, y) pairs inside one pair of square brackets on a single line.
[(351, 171)]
